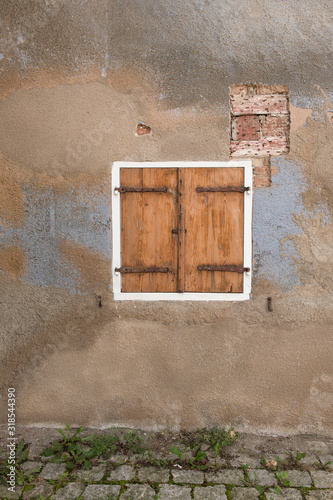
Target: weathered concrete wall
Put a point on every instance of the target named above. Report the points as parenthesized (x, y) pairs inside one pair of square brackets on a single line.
[(76, 79)]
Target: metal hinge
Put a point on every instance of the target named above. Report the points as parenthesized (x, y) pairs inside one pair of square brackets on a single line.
[(126, 189), (227, 269), (223, 189), (127, 270)]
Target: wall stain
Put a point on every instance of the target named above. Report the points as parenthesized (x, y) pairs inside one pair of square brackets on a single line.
[(12, 261), (94, 269), (11, 197)]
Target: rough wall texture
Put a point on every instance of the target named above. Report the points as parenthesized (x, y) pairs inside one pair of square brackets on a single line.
[(76, 79)]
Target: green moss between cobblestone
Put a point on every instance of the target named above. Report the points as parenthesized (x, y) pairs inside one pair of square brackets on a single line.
[(228, 494)]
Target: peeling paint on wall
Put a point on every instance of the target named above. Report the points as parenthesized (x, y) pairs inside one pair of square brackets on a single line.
[(276, 212)]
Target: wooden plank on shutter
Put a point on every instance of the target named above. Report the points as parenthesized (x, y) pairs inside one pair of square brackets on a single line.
[(147, 220), (181, 230), (215, 229)]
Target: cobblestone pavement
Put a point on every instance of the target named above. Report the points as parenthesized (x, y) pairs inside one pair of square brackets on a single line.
[(239, 473)]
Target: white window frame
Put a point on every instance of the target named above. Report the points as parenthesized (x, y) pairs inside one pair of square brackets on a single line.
[(172, 296)]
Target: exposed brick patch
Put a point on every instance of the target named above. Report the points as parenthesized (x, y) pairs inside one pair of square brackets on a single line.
[(245, 128), (261, 172), (260, 120), (143, 129), (259, 104), (269, 146), (275, 126)]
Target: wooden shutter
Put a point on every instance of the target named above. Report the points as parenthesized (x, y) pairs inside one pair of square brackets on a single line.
[(181, 230), (215, 229), (147, 220)]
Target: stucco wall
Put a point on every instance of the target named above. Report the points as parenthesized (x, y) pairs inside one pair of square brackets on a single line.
[(76, 79)]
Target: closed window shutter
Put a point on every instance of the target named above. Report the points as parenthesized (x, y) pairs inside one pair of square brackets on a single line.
[(184, 232), (215, 229), (147, 220)]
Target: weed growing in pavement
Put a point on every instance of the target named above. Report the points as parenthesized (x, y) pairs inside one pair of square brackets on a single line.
[(62, 480), (283, 481), (252, 483), (70, 449), (21, 454), (102, 445), (215, 439), (132, 441), (324, 466), (152, 459), (199, 459), (212, 437), (294, 460), (181, 454)]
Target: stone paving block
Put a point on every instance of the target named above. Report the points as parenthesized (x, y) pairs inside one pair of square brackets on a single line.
[(244, 494), (101, 492), (322, 479), (226, 477), (70, 491), (122, 473), (324, 459), (35, 450), (95, 474), (318, 446), (308, 460), (262, 477), (120, 459), (320, 495), (5, 493), (172, 492), (285, 493), (253, 462), (52, 471), (210, 493), (188, 476), (29, 466), (299, 478), (219, 461), (43, 489), (138, 492), (154, 475)]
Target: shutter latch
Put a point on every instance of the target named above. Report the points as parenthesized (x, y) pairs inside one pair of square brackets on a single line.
[(127, 270), (223, 189), (227, 269), (130, 189)]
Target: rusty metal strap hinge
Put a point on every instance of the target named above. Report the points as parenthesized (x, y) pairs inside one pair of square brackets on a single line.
[(223, 189), (127, 189), (227, 269), (127, 270)]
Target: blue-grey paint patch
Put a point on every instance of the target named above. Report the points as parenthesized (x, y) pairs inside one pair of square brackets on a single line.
[(316, 103), (274, 210), (1, 57), (79, 216)]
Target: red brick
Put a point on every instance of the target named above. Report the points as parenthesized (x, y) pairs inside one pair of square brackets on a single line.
[(259, 104), (143, 129), (262, 182), (261, 171), (275, 126), (264, 147), (245, 128)]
